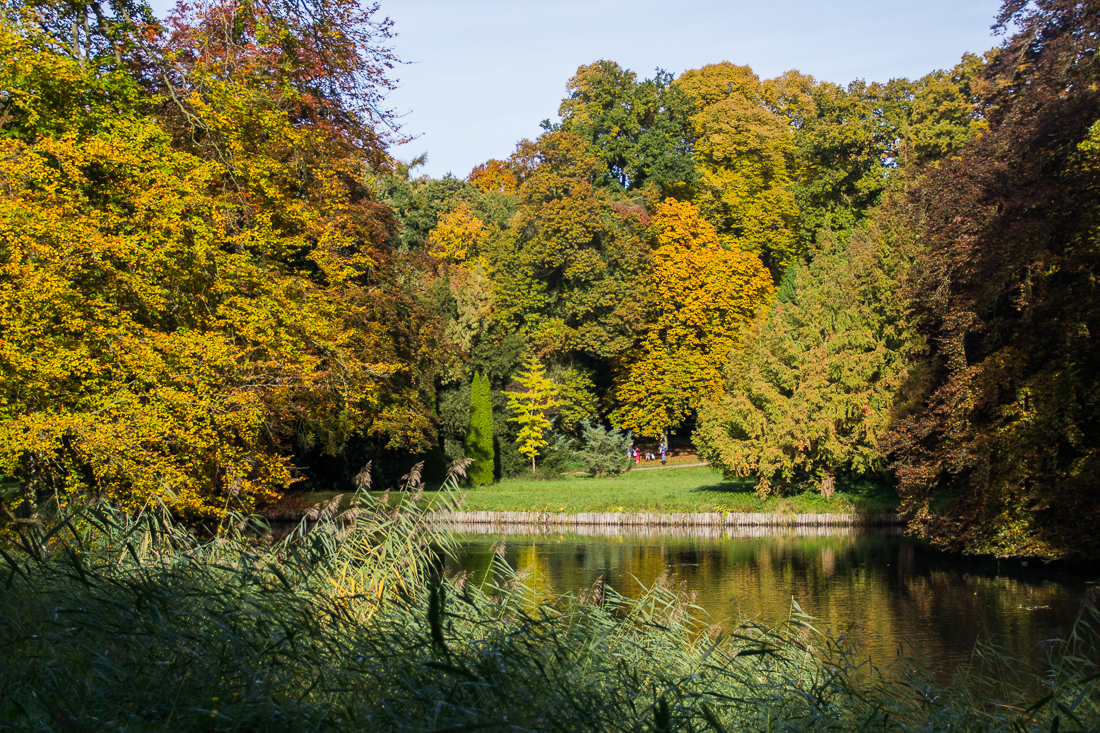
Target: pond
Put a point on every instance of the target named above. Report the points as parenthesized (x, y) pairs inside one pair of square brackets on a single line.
[(892, 592)]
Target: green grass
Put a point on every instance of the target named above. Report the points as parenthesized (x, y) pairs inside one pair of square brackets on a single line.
[(699, 489)]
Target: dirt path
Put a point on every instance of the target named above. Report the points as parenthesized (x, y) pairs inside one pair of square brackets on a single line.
[(646, 468), (661, 468)]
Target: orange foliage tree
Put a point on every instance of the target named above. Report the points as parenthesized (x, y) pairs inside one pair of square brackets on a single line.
[(699, 295)]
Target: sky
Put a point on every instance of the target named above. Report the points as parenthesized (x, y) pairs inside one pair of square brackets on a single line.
[(479, 75)]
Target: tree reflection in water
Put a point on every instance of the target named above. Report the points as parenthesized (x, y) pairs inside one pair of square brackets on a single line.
[(893, 592)]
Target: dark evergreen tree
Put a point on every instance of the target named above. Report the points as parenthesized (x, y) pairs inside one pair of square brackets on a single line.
[(479, 438)]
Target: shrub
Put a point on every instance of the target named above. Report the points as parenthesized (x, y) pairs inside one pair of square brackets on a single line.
[(602, 452)]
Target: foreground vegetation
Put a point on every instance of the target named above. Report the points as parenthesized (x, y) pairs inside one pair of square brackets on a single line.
[(113, 623)]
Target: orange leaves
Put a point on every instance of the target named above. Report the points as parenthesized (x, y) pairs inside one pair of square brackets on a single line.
[(699, 295), (494, 176)]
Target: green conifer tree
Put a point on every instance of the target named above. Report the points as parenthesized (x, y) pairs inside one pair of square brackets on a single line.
[(479, 437), (817, 382)]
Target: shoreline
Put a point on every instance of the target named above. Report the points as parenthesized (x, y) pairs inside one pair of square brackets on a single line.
[(675, 519)]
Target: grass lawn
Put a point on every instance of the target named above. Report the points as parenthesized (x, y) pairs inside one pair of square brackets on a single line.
[(699, 489)]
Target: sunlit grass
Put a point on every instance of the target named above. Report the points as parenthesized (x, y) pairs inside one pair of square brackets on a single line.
[(698, 489)]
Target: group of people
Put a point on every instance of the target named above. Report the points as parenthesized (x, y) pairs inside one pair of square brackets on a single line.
[(637, 454)]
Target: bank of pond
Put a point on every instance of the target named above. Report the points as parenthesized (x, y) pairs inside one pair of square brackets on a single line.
[(374, 616)]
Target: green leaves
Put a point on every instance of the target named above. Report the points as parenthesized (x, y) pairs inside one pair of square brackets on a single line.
[(479, 436)]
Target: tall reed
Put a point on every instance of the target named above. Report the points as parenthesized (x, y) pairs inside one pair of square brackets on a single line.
[(114, 622)]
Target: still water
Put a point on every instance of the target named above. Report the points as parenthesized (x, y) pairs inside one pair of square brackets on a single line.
[(889, 590)]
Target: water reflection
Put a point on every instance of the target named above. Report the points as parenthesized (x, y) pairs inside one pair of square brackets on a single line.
[(892, 591)]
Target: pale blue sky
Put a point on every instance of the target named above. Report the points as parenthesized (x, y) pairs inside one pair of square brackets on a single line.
[(484, 73)]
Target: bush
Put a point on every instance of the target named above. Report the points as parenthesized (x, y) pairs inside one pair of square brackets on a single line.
[(603, 452)]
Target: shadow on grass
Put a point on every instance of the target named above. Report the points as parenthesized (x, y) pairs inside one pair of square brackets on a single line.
[(867, 496), (731, 486)]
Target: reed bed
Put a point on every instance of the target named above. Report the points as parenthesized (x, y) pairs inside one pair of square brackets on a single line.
[(112, 622)]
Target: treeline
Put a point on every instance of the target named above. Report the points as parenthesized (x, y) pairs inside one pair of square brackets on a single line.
[(632, 244), (214, 280)]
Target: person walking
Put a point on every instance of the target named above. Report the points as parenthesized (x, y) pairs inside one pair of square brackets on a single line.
[(664, 454)]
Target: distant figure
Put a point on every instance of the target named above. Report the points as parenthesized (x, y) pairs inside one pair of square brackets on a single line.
[(664, 454), (637, 457)]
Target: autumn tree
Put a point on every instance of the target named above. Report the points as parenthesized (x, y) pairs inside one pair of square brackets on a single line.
[(849, 140), (532, 406), (566, 277), (815, 386), (699, 295), (744, 157), (189, 300), (1007, 295), (493, 176)]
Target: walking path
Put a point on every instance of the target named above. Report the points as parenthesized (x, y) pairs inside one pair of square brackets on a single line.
[(682, 465)]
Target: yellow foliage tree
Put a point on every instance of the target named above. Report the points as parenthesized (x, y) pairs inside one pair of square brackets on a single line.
[(744, 156), (531, 408), (457, 235), (172, 326), (700, 294)]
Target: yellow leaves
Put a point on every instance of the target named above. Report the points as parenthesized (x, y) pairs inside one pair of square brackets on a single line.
[(148, 353), (530, 407), (699, 297), (744, 157), (457, 235)]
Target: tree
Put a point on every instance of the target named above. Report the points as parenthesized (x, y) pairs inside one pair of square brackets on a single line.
[(190, 300), (1008, 426), (566, 276), (479, 436), (493, 176), (638, 129), (457, 235), (531, 408), (816, 384), (744, 155), (699, 296)]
